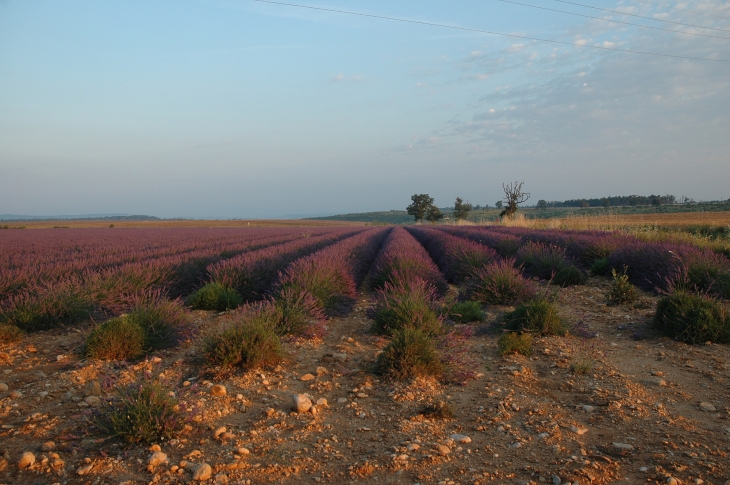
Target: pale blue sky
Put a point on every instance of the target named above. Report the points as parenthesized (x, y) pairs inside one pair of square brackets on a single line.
[(245, 109)]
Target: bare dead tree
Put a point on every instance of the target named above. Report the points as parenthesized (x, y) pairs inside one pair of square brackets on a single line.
[(513, 195)]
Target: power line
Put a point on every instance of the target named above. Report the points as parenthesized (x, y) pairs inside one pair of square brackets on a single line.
[(614, 21), (641, 16), (698, 12), (467, 29)]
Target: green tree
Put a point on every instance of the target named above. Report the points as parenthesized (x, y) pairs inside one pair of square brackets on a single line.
[(461, 209), (433, 214), (513, 195), (498, 204), (420, 205), (542, 204)]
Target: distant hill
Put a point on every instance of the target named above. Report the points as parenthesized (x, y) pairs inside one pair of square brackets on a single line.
[(384, 217), (78, 217)]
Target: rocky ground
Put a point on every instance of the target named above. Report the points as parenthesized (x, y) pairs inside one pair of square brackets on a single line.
[(650, 410)]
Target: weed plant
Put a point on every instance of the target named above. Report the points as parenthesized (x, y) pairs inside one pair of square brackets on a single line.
[(692, 318), (411, 353), (9, 333), (515, 343), (621, 291), (466, 312), (142, 412), (539, 316), (582, 364), (215, 296), (499, 283), (548, 261), (600, 267), (440, 410)]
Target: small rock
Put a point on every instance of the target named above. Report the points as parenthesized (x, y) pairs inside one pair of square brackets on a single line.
[(322, 402), (92, 389), (556, 480), (243, 451), (157, 458), (218, 390), (671, 481), (202, 472), (460, 438), (698, 481), (92, 400), (313, 410), (342, 400), (302, 403), (307, 377), (3, 464), (443, 450), (414, 447), (26, 460), (154, 448), (588, 409), (83, 470), (544, 436), (623, 446), (218, 432), (321, 371), (707, 407), (655, 382), (16, 395), (48, 446), (221, 479), (579, 431), (361, 395), (3, 387), (342, 357), (227, 437), (644, 469)]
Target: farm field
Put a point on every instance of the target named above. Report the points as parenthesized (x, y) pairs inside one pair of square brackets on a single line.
[(354, 354)]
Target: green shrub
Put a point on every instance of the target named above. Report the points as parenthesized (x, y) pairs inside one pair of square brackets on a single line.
[(246, 345), (151, 326), (164, 323), (404, 305), (411, 353), (600, 267), (467, 311), (9, 333), (568, 276), (692, 318), (215, 296), (539, 316), (621, 290), (515, 343), (142, 413), (116, 339)]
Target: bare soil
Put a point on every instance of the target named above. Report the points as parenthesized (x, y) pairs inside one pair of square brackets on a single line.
[(633, 417)]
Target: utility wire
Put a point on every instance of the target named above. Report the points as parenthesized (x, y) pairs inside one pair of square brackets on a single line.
[(641, 16), (698, 12), (517, 36), (614, 21)]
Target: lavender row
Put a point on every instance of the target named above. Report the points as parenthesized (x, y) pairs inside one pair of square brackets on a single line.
[(48, 256), (253, 274), (333, 274), (404, 258), (458, 258)]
